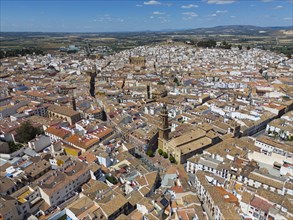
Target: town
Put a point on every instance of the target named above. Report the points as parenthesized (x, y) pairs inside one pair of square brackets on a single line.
[(164, 131)]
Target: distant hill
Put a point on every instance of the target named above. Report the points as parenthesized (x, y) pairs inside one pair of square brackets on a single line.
[(238, 30), (225, 29)]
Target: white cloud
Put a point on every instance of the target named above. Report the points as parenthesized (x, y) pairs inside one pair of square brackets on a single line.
[(288, 18), (158, 13), (232, 16), (279, 7), (138, 5), (163, 19), (168, 4), (152, 2), (108, 18), (189, 6), (220, 12), (193, 14), (220, 2), (189, 15), (266, 0)]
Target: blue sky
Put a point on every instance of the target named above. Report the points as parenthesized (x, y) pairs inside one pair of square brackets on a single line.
[(136, 15)]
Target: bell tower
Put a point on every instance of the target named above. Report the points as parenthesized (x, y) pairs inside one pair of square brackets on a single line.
[(73, 103), (164, 127)]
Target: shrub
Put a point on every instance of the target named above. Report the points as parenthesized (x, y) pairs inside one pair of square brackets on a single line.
[(150, 153), (165, 155), (160, 151), (172, 159), (14, 147), (112, 179)]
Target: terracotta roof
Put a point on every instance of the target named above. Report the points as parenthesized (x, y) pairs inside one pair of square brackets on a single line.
[(113, 205), (58, 131), (266, 180), (62, 110), (261, 204), (81, 141)]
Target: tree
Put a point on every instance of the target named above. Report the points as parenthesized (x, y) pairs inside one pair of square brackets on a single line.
[(112, 179), (225, 45), (160, 151), (150, 153), (27, 132), (21, 52), (207, 43), (14, 147), (248, 47), (172, 159), (2, 54), (240, 47), (176, 81), (165, 155)]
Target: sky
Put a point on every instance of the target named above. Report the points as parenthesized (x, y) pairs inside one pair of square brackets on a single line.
[(136, 15)]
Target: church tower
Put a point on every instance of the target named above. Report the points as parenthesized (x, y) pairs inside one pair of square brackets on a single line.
[(164, 127), (73, 103), (148, 91)]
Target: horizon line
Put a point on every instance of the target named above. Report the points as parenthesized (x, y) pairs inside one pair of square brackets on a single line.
[(141, 31)]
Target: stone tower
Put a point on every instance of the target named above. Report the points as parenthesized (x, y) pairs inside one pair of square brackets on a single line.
[(73, 103), (164, 129), (148, 91)]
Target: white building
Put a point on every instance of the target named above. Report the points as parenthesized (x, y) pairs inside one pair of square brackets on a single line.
[(40, 143)]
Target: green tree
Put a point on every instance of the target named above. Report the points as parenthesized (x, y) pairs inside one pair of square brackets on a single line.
[(165, 155), (240, 47), (27, 132), (172, 159), (21, 52), (14, 147), (225, 45), (207, 43), (2, 54), (248, 47), (160, 151), (150, 153), (112, 179), (176, 81)]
